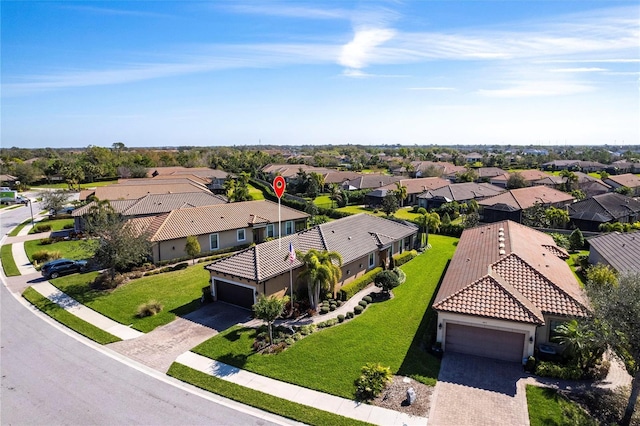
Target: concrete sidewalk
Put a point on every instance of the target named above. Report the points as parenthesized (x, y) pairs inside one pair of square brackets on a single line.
[(87, 314), (333, 404)]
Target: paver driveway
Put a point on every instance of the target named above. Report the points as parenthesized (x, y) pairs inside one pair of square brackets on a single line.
[(160, 347), (478, 391)]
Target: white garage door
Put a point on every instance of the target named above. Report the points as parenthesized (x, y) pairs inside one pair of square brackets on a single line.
[(485, 342)]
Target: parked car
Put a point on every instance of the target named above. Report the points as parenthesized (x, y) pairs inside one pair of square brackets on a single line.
[(58, 267), (22, 200), (64, 210)]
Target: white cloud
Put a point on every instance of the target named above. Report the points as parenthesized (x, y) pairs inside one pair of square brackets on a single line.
[(443, 89), (572, 70), (357, 53), (288, 10), (537, 89)]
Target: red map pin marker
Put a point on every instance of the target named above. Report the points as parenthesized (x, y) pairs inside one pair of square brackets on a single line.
[(279, 185)]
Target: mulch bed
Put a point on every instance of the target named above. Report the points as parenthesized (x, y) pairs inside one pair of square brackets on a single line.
[(394, 397)]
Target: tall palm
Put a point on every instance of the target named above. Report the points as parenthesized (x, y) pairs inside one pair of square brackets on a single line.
[(433, 224), (335, 193), (427, 221), (321, 272), (401, 192)]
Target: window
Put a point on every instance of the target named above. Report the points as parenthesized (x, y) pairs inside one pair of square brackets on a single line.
[(241, 235), (288, 230), (214, 242), (372, 259), (553, 324), (270, 231)]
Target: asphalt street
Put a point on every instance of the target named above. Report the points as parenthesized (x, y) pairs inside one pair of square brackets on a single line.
[(50, 376)]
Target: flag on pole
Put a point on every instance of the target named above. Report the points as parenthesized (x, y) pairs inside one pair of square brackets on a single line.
[(292, 253)]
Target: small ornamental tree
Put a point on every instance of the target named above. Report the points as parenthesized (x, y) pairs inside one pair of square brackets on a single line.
[(54, 200), (576, 240), (390, 203), (601, 275), (269, 309), (372, 381), (387, 280), (192, 247)]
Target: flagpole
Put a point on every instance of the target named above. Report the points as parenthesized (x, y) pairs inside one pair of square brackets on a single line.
[(279, 227)]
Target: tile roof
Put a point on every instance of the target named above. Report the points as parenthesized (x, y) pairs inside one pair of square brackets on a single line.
[(629, 180), (620, 250), (463, 191), (220, 217), (523, 198), (609, 206), (419, 185), (203, 172), (528, 175), (133, 192), (485, 172), (530, 269), (334, 176), (158, 203), (353, 237), (445, 167), (372, 180)]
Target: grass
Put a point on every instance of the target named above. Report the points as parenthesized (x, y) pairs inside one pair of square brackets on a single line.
[(255, 193), (405, 213), (56, 224), (82, 185), (74, 249), (391, 333), (8, 263), (572, 261), (73, 322), (261, 400), (548, 407), (323, 201), (179, 293), (14, 232)]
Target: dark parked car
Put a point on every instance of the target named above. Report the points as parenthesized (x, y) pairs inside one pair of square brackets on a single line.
[(58, 267)]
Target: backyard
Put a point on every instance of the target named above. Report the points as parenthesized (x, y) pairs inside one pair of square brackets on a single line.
[(392, 333)]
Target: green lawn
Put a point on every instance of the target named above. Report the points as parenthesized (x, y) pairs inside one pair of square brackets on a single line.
[(82, 185), (302, 413), (8, 263), (72, 321), (323, 201), (14, 231), (255, 193), (548, 407), (405, 213), (392, 333), (56, 224), (179, 293), (572, 264), (74, 249)]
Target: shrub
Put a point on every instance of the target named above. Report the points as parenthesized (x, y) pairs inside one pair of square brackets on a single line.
[(347, 291), (363, 303), (401, 259), (339, 303), (557, 371), (42, 256), (357, 310), (340, 318), (372, 381), (149, 309), (45, 241), (367, 299), (332, 308), (387, 280), (349, 315), (104, 281), (324, 310), (42, 228), (180, 266)]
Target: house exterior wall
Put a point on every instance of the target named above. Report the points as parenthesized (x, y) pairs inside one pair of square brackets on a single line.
[(529, 330), (595, 257), (172, 249), (543, 331)]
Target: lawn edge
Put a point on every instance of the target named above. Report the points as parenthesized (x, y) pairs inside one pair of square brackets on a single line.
[(8, 262)]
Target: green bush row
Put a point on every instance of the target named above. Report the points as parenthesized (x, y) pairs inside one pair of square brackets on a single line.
[(557, 371), (402, 258), (348, 290)]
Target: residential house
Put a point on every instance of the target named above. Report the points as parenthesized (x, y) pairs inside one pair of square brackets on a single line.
[(213, 178), (441, 169), (369, 181), (364, 242), (622, 166), (8, 180), (131, 190), (628, 180), (621, 251), (473, 157), (219, 226), (339, 178), (414, 187), (460, 192), (574, 165), (529, 176), (511, 204), (485, 174), (290, 171), (592, 212), (506, 290), (588, 184)]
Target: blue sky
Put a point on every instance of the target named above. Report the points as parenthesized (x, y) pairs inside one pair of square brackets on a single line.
[(172, 73)]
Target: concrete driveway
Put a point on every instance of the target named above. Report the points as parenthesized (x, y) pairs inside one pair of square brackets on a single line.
[(160, 347), (478, 391)]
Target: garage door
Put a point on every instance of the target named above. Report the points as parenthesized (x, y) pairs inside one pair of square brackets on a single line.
[(234, 294), (484, 342)]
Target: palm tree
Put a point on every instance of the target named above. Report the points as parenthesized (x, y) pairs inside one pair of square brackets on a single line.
[(401, 193), (570, 179), (427, 221), (433, 224), (321, 272), (583, 341), (335, 193)]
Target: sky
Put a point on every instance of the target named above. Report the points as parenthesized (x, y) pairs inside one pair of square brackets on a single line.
[(224, 73)]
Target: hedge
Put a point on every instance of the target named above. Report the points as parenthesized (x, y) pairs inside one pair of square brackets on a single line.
[(402, 258), (348, 290)]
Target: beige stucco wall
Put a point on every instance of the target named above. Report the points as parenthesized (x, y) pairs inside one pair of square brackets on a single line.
[(172, 249), (445, 318)]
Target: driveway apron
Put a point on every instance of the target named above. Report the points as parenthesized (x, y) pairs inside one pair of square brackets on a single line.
[(160, 347), (478, 391)]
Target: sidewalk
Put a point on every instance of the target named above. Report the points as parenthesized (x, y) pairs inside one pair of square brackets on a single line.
[(304, 396), (17, 247)]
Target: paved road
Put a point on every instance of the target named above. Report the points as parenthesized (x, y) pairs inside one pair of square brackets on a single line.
[(49, 377)]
